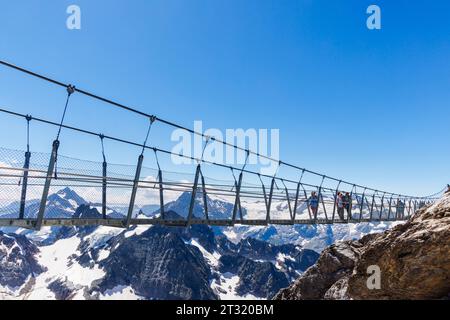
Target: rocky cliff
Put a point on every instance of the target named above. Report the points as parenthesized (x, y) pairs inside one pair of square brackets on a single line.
[(413, 259), (159, 265), (17, 260)]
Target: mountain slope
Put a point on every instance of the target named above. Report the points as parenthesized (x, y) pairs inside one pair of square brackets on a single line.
[(17, 263), (189, 263), (260, 279), (158, 265), (152, 263)]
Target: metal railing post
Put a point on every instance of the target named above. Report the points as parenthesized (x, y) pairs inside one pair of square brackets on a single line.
[(372, 205), (104, 186), (323, 204), (296, 202), (335, 200), (390, 208), (307, 204), (319, 195), (269, 201), (23, 194), (409, 207), (194, 192), (288, 200), (205, 197), (134, 190), (237, 200), (350, 205), (361, 207), (382, 206), (48, 179), (161, 194)]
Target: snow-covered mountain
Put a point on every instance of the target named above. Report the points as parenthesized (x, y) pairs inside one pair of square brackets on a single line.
[(217, 208), (147, 263), (17, 262), (315, 237), (62, 204), (150, 262)]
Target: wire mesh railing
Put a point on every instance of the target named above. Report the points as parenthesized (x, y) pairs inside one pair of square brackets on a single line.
[(175, 198)]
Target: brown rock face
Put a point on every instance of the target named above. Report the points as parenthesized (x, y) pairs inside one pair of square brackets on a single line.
[(413, 259)]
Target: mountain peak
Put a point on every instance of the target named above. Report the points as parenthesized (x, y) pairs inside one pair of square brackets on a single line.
[(69, 194), (217, 209)]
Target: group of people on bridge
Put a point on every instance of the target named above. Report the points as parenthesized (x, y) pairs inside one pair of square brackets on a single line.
[(343, 203)]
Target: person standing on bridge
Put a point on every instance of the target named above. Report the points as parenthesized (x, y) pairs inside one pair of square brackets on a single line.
[(340, 205), (400, 209), (347, 201), (313, 202)]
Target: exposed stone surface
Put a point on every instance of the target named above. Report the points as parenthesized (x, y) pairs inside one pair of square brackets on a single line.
[(414, 260), (17, 260), (298, 259), (162, 263), (158, 265), (260, 279), (63, 290)]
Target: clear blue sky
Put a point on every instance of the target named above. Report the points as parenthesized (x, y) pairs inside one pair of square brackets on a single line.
[(368, 106)]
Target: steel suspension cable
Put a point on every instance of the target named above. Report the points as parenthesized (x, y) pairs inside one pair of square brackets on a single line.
[(102, 137), (70, 90), (169, 123), (144, 145)]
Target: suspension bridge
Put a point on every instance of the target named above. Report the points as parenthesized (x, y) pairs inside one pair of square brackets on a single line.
[(124, 195)]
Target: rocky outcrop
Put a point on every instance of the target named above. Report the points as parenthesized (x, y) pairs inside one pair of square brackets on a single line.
[(413, 259), (158, 265), (17, 260), (260, 279), (86, 212), (297, 258), (63, 290), (180, 263)]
